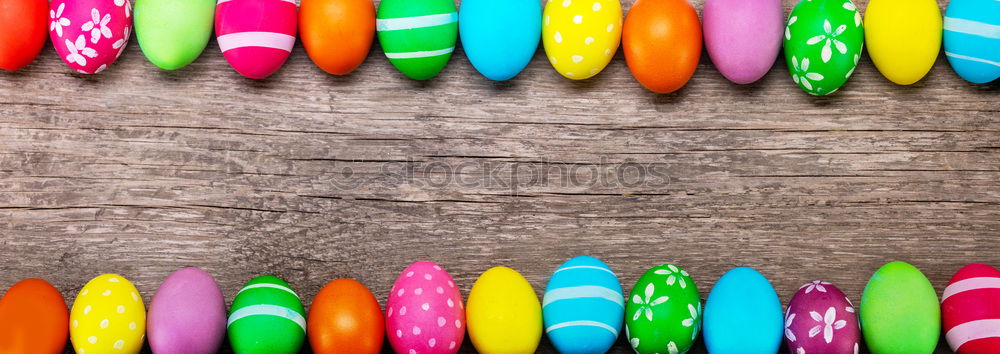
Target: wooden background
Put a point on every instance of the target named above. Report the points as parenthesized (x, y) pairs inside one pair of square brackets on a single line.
[(314, 177)]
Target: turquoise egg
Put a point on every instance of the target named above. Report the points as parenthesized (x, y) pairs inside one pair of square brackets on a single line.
[(500, 37), (972, 39), (583, 307), (743, 315)]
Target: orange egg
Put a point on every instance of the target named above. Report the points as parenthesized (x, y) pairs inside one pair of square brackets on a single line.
[(337, 34), (345, 318), (662, 43), (26, 27), (33, 319)]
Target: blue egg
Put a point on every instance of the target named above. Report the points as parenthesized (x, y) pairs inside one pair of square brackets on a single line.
[(743, 315), (583, 307), (500, 36), (972, 39)]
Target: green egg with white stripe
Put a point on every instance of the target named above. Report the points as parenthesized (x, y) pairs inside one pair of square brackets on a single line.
[(418, 36), (267, 317)]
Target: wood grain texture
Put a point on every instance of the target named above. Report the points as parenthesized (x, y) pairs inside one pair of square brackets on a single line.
[(314, 177)]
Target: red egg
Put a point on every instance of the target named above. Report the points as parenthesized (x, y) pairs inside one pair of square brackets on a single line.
[(256, 36), (26, 27), (820, 319), (33, 319), (970, 310)]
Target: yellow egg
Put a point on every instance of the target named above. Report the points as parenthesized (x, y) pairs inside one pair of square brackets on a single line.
[(581, 36), (903, 37), (108, 316), (503, 313)]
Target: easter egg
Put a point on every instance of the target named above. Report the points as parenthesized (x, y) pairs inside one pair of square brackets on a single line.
[(424, 313), (970, 310), (820, 319), (187, 314), (743, 37), (743, 314), (337, 34), (583, 306), (504, 313), (663, 311), (108, 316), (173, 33), (900, 311), (662, 43), (581, 36), (500, 37), (256, 36), (24, 37), (972, 39), (89, 35), (418, 36), (903, 37), (266, 317), (33, 319), (345, 318), (823, 43)]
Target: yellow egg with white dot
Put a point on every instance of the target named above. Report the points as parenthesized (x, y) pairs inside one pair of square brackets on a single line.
[(108, 316), (581, 36)]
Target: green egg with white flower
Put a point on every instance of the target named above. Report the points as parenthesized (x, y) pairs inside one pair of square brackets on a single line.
[(663, 311), (823, 44)]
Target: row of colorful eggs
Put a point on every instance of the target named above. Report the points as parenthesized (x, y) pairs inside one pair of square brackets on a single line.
[(662, 39), (582, 311)]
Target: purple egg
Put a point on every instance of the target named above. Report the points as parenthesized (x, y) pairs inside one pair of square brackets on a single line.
[(820, 319), (187, 315), (743, 37)]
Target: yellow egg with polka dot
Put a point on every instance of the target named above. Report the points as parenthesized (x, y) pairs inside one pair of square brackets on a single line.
[(581, 36), (108, 316)]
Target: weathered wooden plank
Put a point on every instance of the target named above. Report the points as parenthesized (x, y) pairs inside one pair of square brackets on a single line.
[(314, 177)]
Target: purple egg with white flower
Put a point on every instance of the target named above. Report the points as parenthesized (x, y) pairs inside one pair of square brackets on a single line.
[(90, 35), (820, 319)]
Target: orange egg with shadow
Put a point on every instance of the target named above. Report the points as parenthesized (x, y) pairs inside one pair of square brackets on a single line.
[(662, 43), (345, 318), (33, 319), (337, 34)]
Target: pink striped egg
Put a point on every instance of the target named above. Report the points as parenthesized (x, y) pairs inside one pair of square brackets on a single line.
[(424, 313), (970, 310), (90, 35), (256, 36)]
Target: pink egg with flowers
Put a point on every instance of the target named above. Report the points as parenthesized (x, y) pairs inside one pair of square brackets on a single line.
[(820, 319), (256, 36), (424, 313), (89, 35)]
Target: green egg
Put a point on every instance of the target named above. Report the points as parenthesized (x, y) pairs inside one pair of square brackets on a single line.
[(900, 312), (418, 36), (266, 318), (823, 44), (173, 33), (663, 311)]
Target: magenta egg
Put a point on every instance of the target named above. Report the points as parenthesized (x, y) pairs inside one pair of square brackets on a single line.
[(187, 314), (970, 310), (256, 36), (820, 319), (424, 312), (743, 37), (89, 35)]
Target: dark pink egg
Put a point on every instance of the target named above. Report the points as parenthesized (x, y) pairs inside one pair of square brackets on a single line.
[(256, 36), (820, 319), (970, 310)]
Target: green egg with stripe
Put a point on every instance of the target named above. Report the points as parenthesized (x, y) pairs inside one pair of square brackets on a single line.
[(267, 318), (418, 36)]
